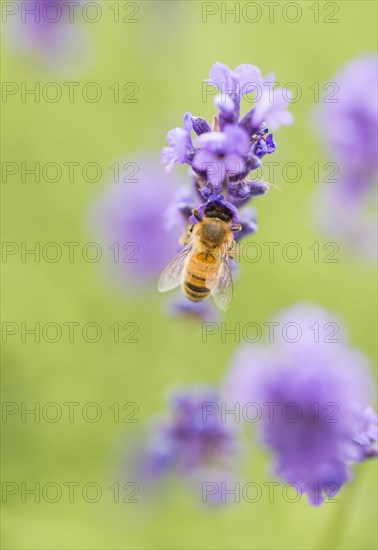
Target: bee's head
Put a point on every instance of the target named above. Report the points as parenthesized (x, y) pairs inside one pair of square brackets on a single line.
[(217, 210)]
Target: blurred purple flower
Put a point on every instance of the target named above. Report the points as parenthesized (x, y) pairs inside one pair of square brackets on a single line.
[(348, 126), (180, 208), (365, 431), (313, 397), (133, 220), (48, 31), (190, 441), (344, 211), (181, 306)]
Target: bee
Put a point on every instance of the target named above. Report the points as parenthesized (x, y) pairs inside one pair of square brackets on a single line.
[(202, 268)]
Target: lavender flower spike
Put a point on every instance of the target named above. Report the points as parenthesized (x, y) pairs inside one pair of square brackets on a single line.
[(190, 440), (221, 160), (228, 151), (314, 394)]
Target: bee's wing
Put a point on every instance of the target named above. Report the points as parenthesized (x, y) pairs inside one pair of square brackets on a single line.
[(220, 284), (172, 275)]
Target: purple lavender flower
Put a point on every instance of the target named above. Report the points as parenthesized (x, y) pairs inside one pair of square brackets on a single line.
[(190, 441), (244, 80), (200, 125), (180, 142), (313, 396), (270, 108), (242, 191), (348, 127), (264, 146), (223, 155), (48, 31), (233, 85), (139, 222)]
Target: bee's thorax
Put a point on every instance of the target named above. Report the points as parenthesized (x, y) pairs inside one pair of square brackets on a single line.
[(213, 232)]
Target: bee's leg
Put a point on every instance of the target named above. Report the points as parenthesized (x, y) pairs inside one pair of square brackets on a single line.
[(236, 227), (185, 237), (197, 215), (188, 234), (233, 250)]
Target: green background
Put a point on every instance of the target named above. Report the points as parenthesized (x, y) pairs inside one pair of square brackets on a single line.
[(168, 53)]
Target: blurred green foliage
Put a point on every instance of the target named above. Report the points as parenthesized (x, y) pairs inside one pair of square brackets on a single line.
[(168, 54)]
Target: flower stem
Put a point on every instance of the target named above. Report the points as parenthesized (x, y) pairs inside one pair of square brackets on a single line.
[(335, 530)]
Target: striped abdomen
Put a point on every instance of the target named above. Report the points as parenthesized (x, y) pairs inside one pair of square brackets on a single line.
[(200, 268)]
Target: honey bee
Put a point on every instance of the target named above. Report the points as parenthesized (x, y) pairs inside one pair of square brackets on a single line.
[(202, 268)]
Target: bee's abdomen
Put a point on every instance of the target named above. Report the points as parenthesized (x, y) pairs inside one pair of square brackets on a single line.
[(195, 292), (198, 270)]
